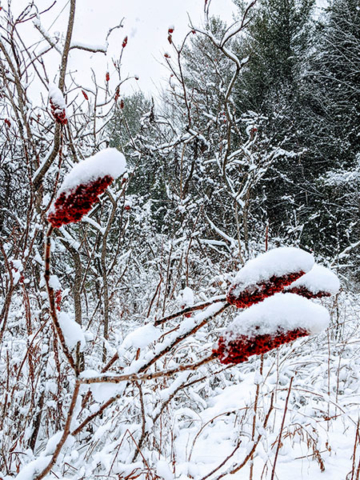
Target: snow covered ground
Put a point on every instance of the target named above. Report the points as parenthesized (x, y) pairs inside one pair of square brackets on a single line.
[(319, 432), (293, 414)]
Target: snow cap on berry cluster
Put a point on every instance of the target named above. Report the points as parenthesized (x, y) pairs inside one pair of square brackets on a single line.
[(261, 328), (277, 262), (83, 185), (268, 274), (281, 311), (57, 104), (106, 162), (319, 282)]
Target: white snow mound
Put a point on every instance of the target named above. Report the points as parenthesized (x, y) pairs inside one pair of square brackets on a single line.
[(279, 261), (141, 337), (57, 97), (106, 162), (282, 311), (186, 298), (319, 279), (72, 331)]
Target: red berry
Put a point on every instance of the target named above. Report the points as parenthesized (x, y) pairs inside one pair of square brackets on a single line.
[(258, 292), (304, 292), (72, 205), (58, 297), (58, 113), (239, 349)]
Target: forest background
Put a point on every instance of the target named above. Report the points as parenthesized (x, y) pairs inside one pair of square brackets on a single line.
[(254, 144)]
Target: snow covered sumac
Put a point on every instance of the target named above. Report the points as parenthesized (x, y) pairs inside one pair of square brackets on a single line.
[(268, 274), (84, 184), (278, 318), (319, 282), (275, 321), (109, 374)]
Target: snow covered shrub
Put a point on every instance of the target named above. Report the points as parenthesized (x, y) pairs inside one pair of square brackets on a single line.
[(82, 187), (113, 375), (57, 104), (268, 274)]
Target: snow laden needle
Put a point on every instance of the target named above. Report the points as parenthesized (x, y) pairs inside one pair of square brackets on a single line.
[(83, 186)]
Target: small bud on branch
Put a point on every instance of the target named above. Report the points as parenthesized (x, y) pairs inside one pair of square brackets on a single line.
[(57, 105)]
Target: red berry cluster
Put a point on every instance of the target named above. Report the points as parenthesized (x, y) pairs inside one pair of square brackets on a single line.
[(58, 298), (237, 348), (186, 315), (170, 32), (240, 348), (71, 206), (304, 292), (58, 113), (257, 293)]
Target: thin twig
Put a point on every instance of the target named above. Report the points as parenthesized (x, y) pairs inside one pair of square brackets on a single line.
[(281, 429), (199, 306), (134, 377), (51, 297), (64, 435)]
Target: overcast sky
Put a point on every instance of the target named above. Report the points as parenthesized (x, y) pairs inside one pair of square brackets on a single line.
[(146, 23)]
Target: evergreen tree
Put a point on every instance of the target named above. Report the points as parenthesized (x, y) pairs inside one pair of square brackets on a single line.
[(271, 84), (333, 84), (277, 42), (333, 131)]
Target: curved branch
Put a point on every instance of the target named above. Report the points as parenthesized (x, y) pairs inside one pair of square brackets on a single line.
[(42, 170)]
